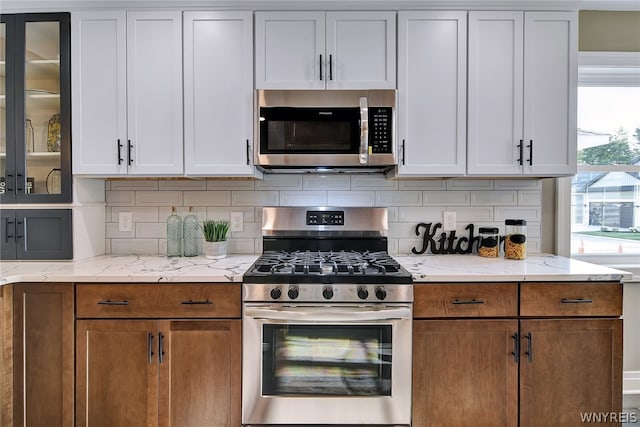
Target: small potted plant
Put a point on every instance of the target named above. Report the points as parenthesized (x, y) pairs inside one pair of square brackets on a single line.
[(215, 236)]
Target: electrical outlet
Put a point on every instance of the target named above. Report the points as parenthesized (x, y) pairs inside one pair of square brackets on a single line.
[(449, 221), (237, 221), (125, 221)]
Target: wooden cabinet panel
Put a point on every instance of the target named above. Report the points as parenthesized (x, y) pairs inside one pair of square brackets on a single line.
[(465, 300), (464, 373), (575, 299), (569, 367), (158, 301), (200, 376)]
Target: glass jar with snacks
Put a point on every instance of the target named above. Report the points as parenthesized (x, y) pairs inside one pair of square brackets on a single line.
[(489, 242), (515, 241)]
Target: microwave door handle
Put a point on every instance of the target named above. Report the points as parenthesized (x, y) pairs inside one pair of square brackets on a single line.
[(364, 131), (300, 315)]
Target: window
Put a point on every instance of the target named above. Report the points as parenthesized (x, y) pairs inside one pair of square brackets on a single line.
[(605, 193)]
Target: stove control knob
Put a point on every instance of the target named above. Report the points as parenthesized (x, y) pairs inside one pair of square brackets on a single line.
[(381, 293), (327, 292), (293, 292), (363, 293), (275, 293)]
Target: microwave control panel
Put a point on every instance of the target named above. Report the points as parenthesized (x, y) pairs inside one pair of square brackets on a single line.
[(380, 129)]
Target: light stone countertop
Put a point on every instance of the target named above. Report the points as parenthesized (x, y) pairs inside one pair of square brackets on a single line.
[(424, 268), (473, 268)]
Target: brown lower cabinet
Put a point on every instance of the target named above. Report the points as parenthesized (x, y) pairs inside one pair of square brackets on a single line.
[(137, 371), (480, 360)]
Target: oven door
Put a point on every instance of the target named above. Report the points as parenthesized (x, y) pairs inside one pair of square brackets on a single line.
[(315, 364)]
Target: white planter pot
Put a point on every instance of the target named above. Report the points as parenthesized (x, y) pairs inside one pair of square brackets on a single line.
[(215, 250)]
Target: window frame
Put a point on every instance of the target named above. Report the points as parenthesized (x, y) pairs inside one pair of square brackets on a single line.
[(597, 69)]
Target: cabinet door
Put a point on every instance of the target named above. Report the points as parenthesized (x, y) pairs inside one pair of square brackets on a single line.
[(218, 98), (361, 50), (99, 108), (550, 84), (8, 234), (495, 101), (116, 373), (43, 355), (200, 374), (569, 367), (36, 234), (432, 107), (465, 373), (290, 50), (154, 92)]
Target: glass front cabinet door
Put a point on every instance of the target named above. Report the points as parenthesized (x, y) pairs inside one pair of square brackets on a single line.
[(35, 122)]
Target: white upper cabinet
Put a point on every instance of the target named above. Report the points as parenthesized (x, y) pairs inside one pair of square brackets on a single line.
[(432, 53), (333, 50), (218, 98), (522, 93), (127, 93)]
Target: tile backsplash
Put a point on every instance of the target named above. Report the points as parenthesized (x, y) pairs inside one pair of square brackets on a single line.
[(482, 202)]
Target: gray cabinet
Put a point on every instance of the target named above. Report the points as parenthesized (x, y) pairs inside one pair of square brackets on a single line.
[(36, 234)]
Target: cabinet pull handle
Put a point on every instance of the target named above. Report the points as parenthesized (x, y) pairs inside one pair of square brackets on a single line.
[(320, 66), (330, 67), (197, 302), (8, 236), (129, 147), (576, 301), (119, 152), (520, 149), (248, 151), (19, 182), (10, 189), (516, 348), (467, 301), (109, 302), (149, 348), (19, 224), (160, 347), (530, 146), (529, 351), (403, 151)]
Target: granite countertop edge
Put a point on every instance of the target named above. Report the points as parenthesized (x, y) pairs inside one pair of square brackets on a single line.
[(424, 269)]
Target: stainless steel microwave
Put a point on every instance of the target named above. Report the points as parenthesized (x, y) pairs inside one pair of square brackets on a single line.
[(326, 138)]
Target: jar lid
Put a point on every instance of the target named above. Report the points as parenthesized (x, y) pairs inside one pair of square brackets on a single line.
[(488, 230), (515, 222)]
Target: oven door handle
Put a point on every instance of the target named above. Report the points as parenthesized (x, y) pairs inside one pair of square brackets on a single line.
[(325, 314)]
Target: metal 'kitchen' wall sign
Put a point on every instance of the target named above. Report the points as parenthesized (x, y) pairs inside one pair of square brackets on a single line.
[(445, 244)]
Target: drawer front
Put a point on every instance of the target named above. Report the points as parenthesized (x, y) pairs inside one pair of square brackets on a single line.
[(465, 300), (158, 301), (571, 299)]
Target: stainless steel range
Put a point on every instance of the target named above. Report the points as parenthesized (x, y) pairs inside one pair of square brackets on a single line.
[(326, 322)]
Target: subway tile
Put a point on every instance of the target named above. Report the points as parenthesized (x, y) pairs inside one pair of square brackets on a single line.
[(422, 184), (392, 214), (445, 198), (151, 230), (529, 198), (257, 242), (133, 184), (230, 184), (254, 198), (137, 214), (351, 198), (120, 198), (279, 182), (217, 214), (493, 198), (251, 229), (241, 246), (135, 247), (398, 198), (473, 214), (532, 213), (430, 214), (405, 245), (303, 198), (326, 182), (392, 246), (182, 184), (469, 184), (113, 231), (517, 184), (207, 198), (372, 182), (402, 230), (158, 198)]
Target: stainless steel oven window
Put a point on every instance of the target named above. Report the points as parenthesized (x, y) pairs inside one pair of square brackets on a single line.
[(326, 360)]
